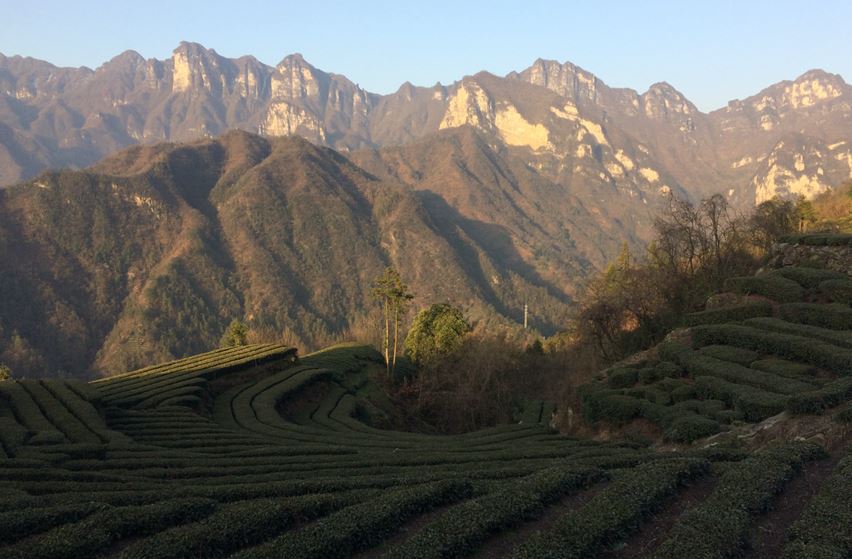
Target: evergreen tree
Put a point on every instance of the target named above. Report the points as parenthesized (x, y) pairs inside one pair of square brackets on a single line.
[(235, 335)]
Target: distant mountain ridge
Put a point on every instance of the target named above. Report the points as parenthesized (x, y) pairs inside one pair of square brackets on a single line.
[(152, 252), (57, 117)]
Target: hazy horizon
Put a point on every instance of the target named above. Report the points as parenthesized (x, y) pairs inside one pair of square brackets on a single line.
[(712, 54)]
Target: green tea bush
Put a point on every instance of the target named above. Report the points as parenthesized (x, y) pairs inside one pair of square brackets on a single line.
[(702, 365), (618, 408), (773, 287), (462, 529), (821, 239), (835, 337), (671, 351), (733, 354), (835, 316), (822, 530), (362, 526), (754, 403), (238, 525), (19, 524), (688, 428), (98, 531), (808, 277), (729, 314), (683, 393), (839, 290), (844, 415), (817, 401), (622, 377), (718, 527), (827, 356), (12, 435), (784, 368), (614, 512)]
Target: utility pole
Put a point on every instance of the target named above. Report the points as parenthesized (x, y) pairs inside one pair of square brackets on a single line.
[(526, 314)]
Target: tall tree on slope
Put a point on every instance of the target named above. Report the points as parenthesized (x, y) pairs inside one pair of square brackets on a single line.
[(394, 296)]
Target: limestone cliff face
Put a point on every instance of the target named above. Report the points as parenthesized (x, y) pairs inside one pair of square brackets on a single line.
[(801, 166), (321, 107)]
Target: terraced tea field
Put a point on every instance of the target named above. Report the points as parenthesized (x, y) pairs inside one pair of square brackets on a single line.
[(249, 453)]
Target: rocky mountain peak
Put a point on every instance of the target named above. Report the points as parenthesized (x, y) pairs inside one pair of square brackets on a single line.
[(129, 57), (294, 78), (294, 60), (195, 67), (566, 79), (813, 87), (662, 100), (810, 89)]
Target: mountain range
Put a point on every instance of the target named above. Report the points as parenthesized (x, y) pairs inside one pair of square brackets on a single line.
[(789, 138), (492, 192)]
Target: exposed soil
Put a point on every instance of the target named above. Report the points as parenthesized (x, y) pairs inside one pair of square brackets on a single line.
[(652, 533), (502, 544), (769, 534)]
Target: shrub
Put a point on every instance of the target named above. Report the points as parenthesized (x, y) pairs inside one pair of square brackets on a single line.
[(717, 527), (19, 524), (755, 404), (839, 290), (667, 369), (683, 393), (836, 337), (688, 428), (361, 526), (12, 434), (817, 401), (619, 408), (772, 287), (728, 416), (622, 377), (649, 375), (671, 351), (808, 277), (661, 415), (669, 385), (822, 530), (798, 348), (97, 532), (729, 353), (729, 314), (613, 512), (784, 368), (818, 239), (835, 316), (699, 365), (459, 531), (238, 525), (844, 415)]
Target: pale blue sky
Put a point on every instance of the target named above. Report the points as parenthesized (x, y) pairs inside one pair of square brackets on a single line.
[(711, 50)]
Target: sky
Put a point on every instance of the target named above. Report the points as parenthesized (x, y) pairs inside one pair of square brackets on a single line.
[(710, 50)]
